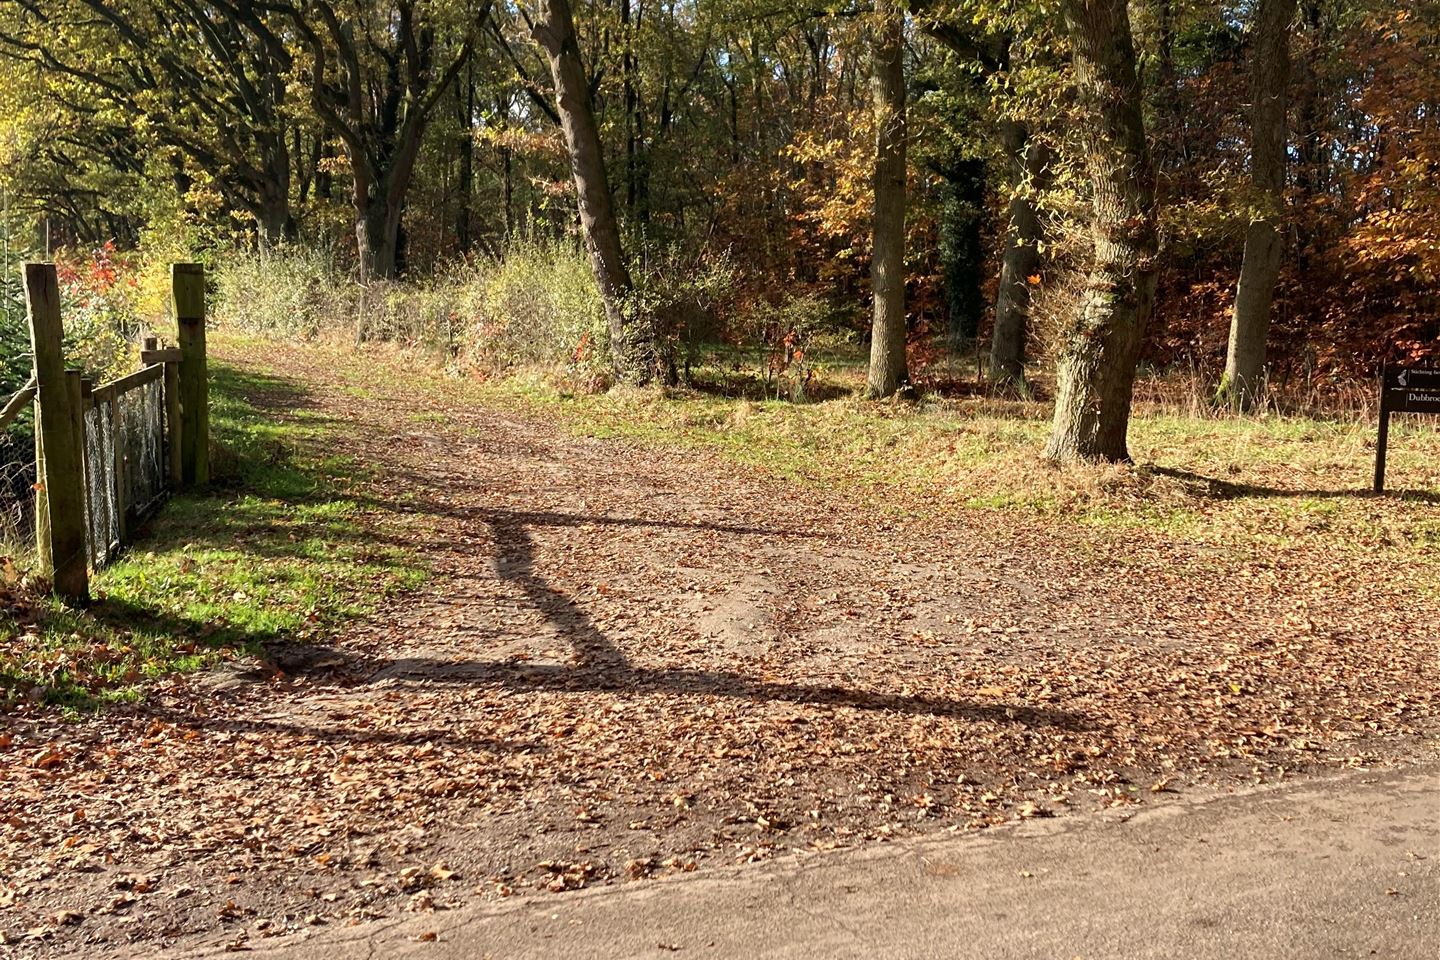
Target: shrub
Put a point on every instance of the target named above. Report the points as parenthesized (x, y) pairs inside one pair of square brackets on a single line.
[(682, 296), (290, 291), (537, 306), (98, 295), (786, 333)]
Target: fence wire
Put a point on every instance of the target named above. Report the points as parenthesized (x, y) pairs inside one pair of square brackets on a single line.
[(143, 452), (141, 438), (102, 508), (142, 418), (17, 492)]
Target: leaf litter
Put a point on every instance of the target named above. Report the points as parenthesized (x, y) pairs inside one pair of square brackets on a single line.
[(630, 663)]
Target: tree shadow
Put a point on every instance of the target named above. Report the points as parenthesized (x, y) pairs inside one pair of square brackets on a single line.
[(600, 665), (410, 737), (756, 388), (262, 391), (1216, 489), (511, 521)]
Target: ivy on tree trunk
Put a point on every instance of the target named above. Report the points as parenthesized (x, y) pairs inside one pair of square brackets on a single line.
[(887, 266), (1101, 346)]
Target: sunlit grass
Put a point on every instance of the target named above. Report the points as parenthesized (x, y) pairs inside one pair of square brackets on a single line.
[(1252, 487), (1246, 483), (276, 549)]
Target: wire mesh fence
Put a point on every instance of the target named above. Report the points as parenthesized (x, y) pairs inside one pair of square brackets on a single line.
[(111, 452), (126, 472), (102, 509), (17, 491), (142, 414)]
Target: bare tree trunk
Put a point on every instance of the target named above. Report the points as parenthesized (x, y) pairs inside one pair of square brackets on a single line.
[(1314, 100), (465, 183), (1260, 268), (273, 216), (554, 30), (274, 220), (887, 266), (1021, 259), (378, 100), (509, 195), (1096, 370)]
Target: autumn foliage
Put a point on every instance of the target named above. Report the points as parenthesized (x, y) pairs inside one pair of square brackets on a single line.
[(743, 134)]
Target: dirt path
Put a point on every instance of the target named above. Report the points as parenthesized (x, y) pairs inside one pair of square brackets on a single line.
[(634, 662)]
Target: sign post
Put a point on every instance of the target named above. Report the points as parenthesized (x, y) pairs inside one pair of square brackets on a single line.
[(1403, 390)]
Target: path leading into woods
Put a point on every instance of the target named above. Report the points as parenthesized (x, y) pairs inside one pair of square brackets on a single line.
[(634, 664)]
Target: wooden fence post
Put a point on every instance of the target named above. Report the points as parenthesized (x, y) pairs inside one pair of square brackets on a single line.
[(60, 518), (188, 288)]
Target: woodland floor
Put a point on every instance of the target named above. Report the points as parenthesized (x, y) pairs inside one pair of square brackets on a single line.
[(629, 661)]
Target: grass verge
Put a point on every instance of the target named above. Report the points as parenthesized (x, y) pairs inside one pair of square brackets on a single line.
[(1254, 487), (278, 547)]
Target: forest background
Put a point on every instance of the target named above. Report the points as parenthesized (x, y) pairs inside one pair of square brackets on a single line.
[(400, 170)]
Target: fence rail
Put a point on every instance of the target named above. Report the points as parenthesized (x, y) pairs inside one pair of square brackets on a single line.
[(106, 456), (16, 404)]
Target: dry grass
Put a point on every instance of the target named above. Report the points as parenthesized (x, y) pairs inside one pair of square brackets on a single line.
[(1267, 484)]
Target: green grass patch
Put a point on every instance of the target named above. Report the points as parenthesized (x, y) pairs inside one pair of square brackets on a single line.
[(278, 547)]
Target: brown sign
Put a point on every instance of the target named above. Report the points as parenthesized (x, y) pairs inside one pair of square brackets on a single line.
[(1403, 390)]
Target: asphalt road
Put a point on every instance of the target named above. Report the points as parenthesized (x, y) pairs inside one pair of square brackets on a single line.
[(1345, 866)]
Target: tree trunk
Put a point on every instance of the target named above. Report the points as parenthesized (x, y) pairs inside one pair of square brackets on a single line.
[(271, 189), (379, 200), (273, 217), (509, 195), (1312, 146), (374, 240), (274, 221), (324, 179), (1250, 322), (887, 266), (465, 186), (1021, 259), (554, 30), (1096, 369)]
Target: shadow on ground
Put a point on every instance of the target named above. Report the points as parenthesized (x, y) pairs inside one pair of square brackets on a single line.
[(1216, 489)]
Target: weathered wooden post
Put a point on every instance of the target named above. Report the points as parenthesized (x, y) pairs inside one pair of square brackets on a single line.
[(60, 505), (188, 288)]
